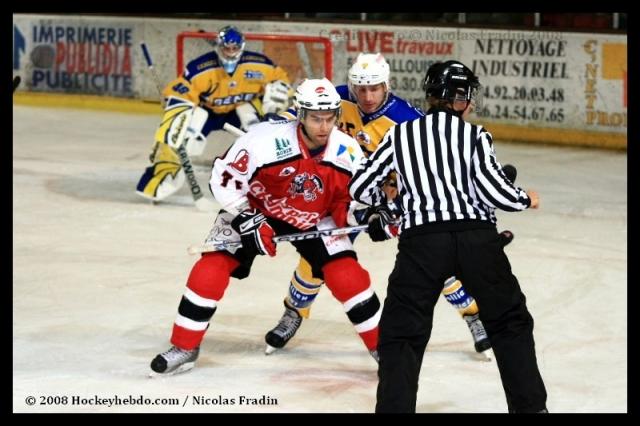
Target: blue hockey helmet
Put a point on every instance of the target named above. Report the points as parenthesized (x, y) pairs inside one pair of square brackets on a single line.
[(230, 47)]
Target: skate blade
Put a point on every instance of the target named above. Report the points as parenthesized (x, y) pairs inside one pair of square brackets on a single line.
[(269, 350), (487, 355), (187, 366)]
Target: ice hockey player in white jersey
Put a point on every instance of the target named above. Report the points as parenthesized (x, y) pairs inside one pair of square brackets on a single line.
[(280, 178)]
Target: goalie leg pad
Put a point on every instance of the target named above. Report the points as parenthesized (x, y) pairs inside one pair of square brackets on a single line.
[(164, 177), (455, 293), (182, 124), (303, 289), (196, 141), (208, 280)]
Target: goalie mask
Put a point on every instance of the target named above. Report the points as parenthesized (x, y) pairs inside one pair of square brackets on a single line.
[(230, 43), (452, 81), (316, 95)]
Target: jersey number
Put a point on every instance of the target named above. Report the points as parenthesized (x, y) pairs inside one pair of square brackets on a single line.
[(347, 128), (226, 177), (180, 88)]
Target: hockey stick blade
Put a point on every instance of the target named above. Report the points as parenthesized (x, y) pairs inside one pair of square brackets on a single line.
[(224, 245), (205, 205)]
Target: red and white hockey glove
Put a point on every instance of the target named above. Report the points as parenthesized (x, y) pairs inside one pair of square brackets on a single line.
[(256, 234), (383, 224)]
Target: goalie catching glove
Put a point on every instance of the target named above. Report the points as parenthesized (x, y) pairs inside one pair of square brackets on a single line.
[(255, 233), (276, 97)]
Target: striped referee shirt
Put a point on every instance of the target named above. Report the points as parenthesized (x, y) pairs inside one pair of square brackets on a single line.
[(447, 171)]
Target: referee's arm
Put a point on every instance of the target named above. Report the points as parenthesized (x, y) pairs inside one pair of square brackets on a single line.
[(365, 185), (489, 180)]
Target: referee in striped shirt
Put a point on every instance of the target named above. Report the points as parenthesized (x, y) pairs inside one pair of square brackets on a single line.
[(450, 183)]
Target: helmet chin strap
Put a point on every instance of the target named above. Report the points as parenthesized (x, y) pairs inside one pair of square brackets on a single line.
[(304, 131)]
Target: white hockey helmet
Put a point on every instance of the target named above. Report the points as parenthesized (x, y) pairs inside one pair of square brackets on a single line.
[(316, 95), (369, 69)]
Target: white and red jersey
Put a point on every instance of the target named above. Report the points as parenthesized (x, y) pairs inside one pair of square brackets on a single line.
[(270, 168)]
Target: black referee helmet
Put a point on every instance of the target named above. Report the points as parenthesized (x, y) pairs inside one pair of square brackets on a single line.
[(451, 80)]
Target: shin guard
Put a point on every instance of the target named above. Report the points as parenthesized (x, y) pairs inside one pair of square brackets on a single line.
[(207, 282)]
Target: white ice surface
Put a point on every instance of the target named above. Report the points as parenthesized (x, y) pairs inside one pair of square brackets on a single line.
[(98, 273)]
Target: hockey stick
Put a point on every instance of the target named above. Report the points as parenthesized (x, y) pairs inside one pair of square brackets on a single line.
[(206, 248), (147, 57), (201, 203), (233, 130)]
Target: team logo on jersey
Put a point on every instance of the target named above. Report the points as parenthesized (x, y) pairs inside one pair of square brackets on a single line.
[(232, 84), (307, 186), (348, 149), (253, 75), (287, 171), (241, 163), (283, 148), (363, 138)]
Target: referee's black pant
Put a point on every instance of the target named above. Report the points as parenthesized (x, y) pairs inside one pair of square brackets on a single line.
[(423, 263)]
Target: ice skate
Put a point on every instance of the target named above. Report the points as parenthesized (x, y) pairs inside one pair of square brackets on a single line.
[(174, 361), (278, 337), (480, 338)]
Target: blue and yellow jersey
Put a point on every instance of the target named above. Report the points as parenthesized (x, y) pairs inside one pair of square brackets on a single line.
[(206, 83), (368, 129)]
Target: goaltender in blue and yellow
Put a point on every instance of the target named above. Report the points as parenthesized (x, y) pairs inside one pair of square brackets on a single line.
[(369, 109), (227, 85)]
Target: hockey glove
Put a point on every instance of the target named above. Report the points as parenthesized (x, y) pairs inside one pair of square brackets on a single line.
[(505, 237), (255, 233), (272, 117), (358, 213), (510, 172), (383, 224), (276, 96)]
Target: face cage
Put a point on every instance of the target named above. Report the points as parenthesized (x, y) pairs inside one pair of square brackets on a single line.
[(477, 97), (221, 45)]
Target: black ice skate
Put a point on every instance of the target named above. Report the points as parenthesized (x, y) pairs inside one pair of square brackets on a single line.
[(278, 337), (174, 361), (480, 338)]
